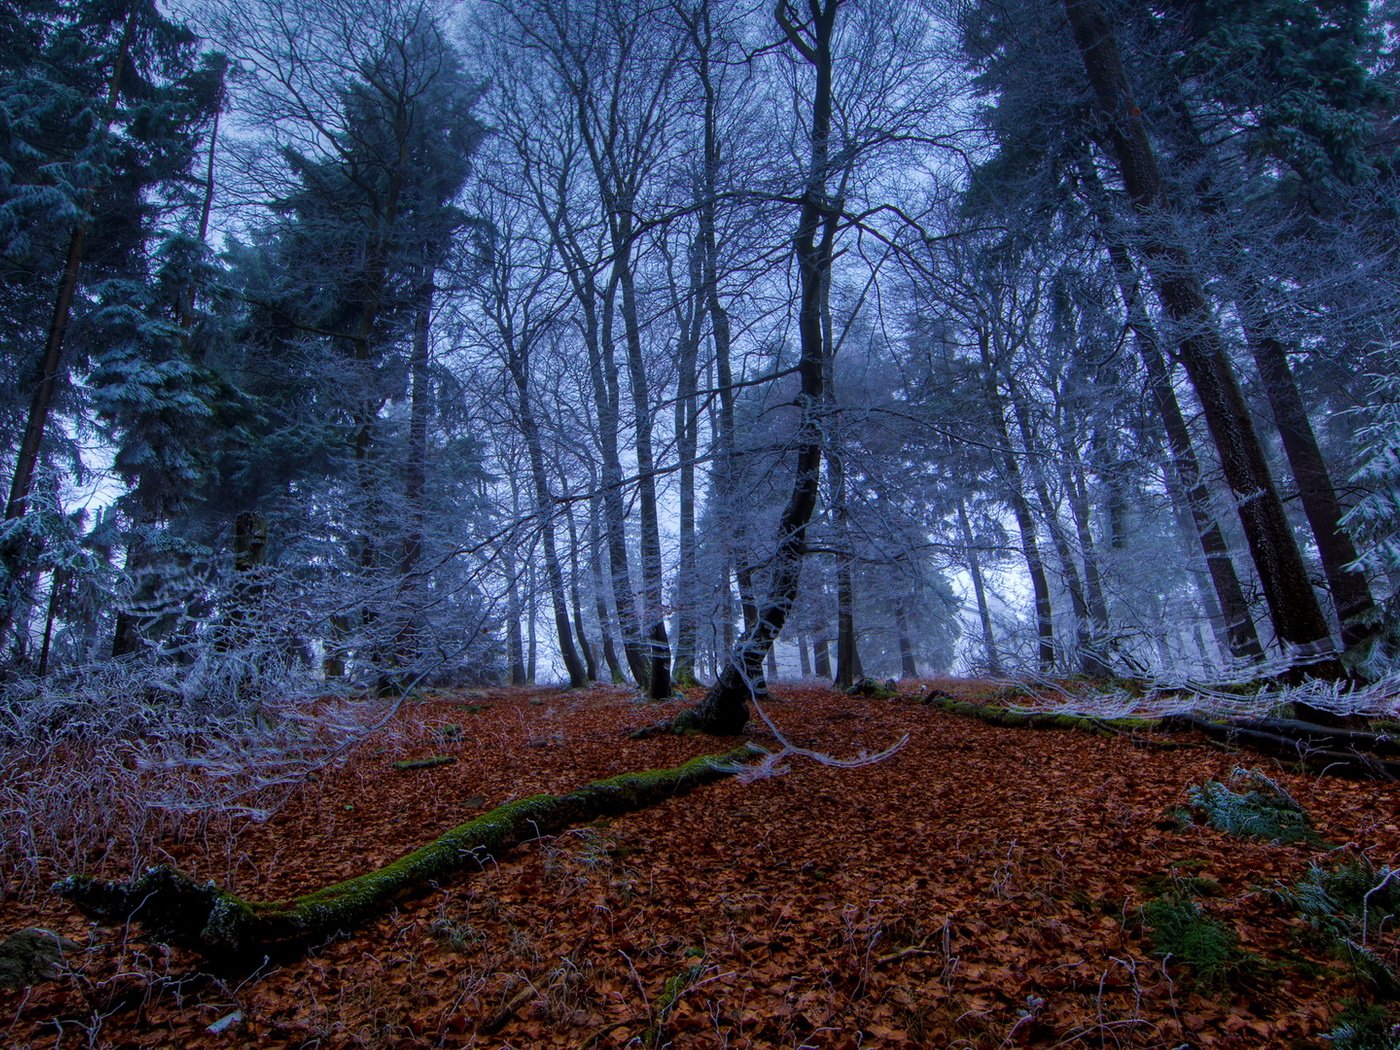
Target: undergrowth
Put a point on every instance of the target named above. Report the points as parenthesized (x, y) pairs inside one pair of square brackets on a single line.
[(1180, 930), (1364, 1026), (1264, 811), (1357, 907)]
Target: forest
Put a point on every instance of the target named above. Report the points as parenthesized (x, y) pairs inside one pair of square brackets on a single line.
[(955, 443)]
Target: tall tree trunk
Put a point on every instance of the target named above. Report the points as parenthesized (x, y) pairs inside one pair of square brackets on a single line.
[(607, 398), (57, 581), (515, 606), (653, 620), (532, 640), (14, 555), (411, 588), (1351, 595), (804, 660), (545, 507), (725, 708), (1298, 619), (1021, 510), (1242, 641), (907, 667), (1090, 663), (847, 652), (689, 321), (979, 590), (595, 565), (590, 662), (1076, 490)]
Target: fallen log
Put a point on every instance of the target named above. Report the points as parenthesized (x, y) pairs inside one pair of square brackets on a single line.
[(1329, 737), (1304, 750), (222, 925)]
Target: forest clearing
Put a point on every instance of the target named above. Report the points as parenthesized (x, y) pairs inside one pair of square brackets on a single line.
[(984, 886)]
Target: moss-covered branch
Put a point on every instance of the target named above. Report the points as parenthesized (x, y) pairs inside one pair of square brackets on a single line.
[(218, 923)]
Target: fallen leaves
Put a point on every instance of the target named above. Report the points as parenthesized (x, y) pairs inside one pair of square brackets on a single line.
[(981, 888)]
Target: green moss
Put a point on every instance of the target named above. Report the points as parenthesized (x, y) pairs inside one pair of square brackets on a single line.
[(1180, 885), (873, 689), (425, 763)]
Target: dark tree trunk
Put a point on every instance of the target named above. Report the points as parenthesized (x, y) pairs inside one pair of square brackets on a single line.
[(725, 708), (545, 509), (1241, 639), (1025, 521), (590, 662), (515, 608), (595, 564), (804, 660), (1350, 593), (1298, 619), (847, 652), (907, 667), (415, 476), (56, 584), (821, 656), (652, 618), (687, 443), (1090, 663)]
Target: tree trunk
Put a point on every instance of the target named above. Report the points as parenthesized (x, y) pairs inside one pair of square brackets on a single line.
[(1241, 639), (1350, 593), (607, 396), (725, 708), (821, 656), (979, 590), (652, 618), (411, 588), (1298, 619), (595, 564), (804, 660), (847, 653), (687, 444), (212, 920), (518, 364), (1021, 510), (1090, 663), (590, 662), (907, 667), (532, 641)]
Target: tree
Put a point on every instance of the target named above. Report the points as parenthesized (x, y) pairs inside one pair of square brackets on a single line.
[(1298, 619), (108, 103), (725, 708)]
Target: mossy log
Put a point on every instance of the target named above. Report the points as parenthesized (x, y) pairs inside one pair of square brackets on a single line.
[(221, 925), (424, 763)]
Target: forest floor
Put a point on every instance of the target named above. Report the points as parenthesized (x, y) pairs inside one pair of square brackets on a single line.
[(984, 887)]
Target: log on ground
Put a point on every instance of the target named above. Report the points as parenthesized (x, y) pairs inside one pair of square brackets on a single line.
[(222, 925)]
